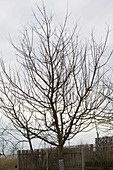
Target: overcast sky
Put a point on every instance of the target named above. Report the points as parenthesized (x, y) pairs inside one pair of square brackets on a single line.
[(14, 14)]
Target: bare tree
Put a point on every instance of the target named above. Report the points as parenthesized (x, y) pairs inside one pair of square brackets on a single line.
[(10, 138), (58, 91)]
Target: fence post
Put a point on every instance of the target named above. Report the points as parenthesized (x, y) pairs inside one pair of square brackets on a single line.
[(83, 158), (18, 159)]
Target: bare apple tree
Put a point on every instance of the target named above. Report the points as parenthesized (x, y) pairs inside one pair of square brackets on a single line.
[(57, 93)]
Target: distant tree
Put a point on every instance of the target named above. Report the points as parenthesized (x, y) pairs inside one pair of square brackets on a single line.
[(10, 139), (58, 91)]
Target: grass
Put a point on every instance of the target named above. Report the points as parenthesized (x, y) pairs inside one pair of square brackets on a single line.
[(7, 163)]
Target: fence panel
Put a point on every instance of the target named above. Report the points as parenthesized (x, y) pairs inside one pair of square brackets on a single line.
[(72, 159), (48, 159), (99, 158), (85, 157)]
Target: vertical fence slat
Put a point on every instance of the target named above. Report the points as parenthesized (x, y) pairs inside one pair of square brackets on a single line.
[(83, 158)]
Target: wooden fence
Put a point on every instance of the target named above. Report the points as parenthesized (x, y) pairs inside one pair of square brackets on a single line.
[(75, 158)]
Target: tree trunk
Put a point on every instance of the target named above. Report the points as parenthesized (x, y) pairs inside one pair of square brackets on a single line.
[(60, 158)]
